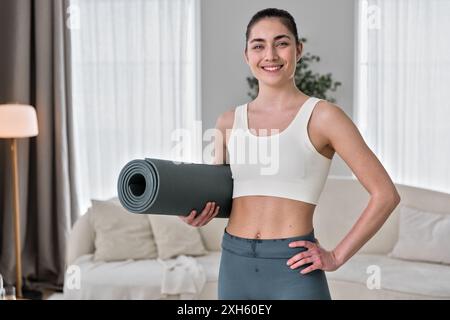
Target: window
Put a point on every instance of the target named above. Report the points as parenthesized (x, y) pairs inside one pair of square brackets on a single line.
[(136, 81), (402, 95)]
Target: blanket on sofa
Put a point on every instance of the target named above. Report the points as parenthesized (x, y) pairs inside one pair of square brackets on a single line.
[(182, 275)]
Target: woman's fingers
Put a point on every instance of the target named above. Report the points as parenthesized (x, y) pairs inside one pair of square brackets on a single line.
[(301, 262), (188, 219), (302, 243), (212, 213), (206, 213), (293, 262), (216, 212), (312, 267)]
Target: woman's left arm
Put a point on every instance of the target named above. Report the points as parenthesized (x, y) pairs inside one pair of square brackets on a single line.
[(346, 140)]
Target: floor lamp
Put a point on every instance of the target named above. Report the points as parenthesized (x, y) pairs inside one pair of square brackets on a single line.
[(17, 121)]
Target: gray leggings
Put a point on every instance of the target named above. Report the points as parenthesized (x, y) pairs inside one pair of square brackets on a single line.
[(256, 269)]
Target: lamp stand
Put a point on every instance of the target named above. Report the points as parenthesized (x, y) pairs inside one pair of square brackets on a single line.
[(16, 217)]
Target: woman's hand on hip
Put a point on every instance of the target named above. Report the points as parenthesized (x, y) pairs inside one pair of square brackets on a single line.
[(315, 254)]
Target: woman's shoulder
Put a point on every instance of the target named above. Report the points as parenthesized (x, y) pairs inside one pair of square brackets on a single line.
[(326, 118), (326, 111), (225, 120)]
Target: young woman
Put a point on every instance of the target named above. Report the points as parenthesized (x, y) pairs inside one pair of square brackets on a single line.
[(269, 248)]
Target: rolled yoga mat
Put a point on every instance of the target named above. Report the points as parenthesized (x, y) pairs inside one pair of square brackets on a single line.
[(157, 186)]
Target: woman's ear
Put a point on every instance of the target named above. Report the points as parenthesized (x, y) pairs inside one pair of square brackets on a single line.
[(245, 56)]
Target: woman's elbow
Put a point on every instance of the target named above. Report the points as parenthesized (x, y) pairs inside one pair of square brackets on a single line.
[(394, 200), (395, 197), (391, 198)]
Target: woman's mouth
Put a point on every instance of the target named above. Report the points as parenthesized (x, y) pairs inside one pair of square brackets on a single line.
[(272, 69)]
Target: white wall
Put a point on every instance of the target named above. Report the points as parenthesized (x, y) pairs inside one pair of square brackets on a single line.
[(328, 26)]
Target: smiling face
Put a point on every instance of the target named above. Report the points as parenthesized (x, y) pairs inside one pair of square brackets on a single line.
[(272, 53)]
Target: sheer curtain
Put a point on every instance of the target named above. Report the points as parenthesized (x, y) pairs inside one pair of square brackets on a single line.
[(136, 86), (403, 96)]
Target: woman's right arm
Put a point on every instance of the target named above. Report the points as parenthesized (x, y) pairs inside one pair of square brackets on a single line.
[(220, 158)]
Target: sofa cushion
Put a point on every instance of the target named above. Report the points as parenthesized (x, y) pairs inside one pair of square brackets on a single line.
[(421, 278), (212, 233), (423, 236), (174, 237), (346, 290), (129, 279), (120, 235)]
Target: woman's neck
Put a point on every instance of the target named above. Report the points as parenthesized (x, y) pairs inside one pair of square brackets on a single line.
[(277, 97)]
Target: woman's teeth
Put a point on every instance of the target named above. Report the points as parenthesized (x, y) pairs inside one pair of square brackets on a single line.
[(272, 69)]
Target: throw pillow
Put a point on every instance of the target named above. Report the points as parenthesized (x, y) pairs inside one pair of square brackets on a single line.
[(174, 237), (119, 234), (423, 236)]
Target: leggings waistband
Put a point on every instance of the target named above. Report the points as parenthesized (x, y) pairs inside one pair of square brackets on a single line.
[(264, 248)]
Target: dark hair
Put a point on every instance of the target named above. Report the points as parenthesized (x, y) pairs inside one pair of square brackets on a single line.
[(285, 18)]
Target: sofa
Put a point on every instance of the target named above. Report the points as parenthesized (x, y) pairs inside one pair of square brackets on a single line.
[(341, 202)]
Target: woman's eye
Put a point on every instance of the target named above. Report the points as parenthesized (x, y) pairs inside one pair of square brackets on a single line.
[(281, 43)]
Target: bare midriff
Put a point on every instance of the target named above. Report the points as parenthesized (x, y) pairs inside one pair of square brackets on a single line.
[(266, 217)]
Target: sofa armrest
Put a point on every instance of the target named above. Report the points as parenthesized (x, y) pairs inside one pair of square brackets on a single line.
[(81, 238)]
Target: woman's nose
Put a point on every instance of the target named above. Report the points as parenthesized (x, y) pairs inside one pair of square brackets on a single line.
[(271, 53)]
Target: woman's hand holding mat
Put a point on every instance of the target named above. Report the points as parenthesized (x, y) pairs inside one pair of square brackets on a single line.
[(208, 213)]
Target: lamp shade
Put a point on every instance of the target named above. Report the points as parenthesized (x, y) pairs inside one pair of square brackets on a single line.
[(18, 121)]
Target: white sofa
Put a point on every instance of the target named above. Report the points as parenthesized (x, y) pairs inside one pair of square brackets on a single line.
[(342, 201)]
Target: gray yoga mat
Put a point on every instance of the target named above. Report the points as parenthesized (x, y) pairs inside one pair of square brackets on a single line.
[(158, 186)]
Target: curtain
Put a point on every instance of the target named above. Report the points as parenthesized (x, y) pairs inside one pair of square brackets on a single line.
[(34, 70), (136, 81), (403, 100)]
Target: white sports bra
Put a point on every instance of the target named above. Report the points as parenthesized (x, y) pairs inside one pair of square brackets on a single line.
[(284, 164)]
